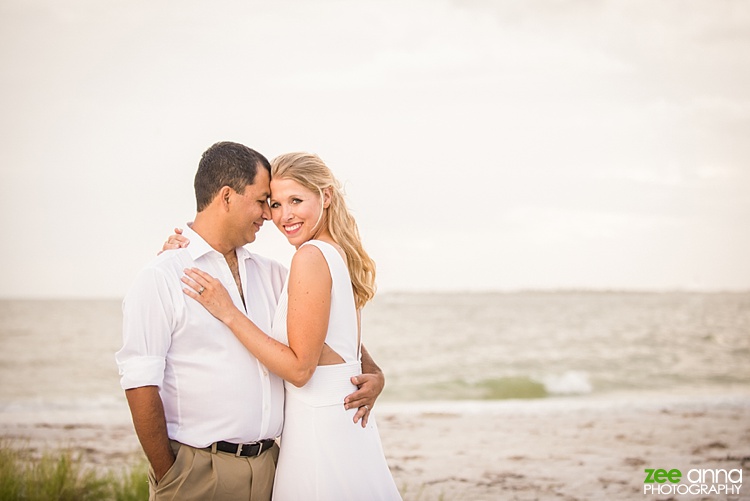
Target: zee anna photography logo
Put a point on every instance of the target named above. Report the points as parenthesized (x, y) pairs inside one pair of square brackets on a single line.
[(696, 481)]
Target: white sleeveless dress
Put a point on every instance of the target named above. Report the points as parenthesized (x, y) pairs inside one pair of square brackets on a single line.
[(324, 455)]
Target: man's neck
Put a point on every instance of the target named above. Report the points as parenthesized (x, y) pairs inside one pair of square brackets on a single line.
[(212, 233)]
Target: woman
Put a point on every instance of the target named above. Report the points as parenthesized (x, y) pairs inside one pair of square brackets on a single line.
[(315, 344)]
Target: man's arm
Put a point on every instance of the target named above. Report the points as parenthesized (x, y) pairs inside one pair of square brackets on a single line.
[(151, 427), (370, 384), (370, 367)]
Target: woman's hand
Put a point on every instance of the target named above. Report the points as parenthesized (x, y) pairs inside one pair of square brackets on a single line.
[(209, 292), (176, 241)]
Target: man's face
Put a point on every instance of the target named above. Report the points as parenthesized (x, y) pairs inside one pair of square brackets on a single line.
[(250, 209)]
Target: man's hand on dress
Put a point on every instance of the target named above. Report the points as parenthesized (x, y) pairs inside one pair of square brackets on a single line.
[(370, 386)]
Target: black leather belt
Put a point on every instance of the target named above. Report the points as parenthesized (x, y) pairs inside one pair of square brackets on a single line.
[(244, 450)]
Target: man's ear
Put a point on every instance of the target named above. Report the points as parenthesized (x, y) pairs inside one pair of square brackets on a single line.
[(225, 193)]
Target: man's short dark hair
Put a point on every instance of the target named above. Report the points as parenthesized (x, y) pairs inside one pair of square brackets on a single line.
[(226, 164)]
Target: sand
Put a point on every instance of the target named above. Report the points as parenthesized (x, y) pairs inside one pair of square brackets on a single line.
[(579, 448)]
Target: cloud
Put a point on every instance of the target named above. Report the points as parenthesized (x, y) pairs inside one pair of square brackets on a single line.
[(560, 226), (491, 143)]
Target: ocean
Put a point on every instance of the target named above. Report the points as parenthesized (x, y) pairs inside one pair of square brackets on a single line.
[(58, 355)]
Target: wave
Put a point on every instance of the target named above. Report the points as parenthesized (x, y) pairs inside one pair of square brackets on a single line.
[(41, 404), (498, 388), (568, 383)]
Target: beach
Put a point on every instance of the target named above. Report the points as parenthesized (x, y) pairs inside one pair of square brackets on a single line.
[(518, 396), (564, 449)]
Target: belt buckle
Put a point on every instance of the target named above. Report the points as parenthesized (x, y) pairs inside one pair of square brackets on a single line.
[(241, 449), (260, 448)]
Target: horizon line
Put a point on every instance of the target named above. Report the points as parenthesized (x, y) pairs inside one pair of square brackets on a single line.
[(519, 290)]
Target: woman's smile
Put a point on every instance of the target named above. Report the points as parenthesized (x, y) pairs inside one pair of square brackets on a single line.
[(292, 228)]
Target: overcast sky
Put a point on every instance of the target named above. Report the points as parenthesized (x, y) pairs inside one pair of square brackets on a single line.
[(484, 145)]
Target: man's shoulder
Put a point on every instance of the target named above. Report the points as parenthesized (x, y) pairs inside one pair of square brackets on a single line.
[(168, 265), (271, 265), (168, 259)]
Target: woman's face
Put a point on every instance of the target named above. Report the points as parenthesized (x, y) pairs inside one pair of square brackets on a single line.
[(295, 210)]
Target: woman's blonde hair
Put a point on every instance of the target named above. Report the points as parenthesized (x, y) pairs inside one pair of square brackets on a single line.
[(309, 170)]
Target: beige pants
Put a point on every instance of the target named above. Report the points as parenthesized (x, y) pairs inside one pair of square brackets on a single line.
[(199, 475)]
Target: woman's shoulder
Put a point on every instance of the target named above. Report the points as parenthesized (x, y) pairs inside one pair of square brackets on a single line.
[(317, 243), (327, 248), (309, 264), (309, 254)]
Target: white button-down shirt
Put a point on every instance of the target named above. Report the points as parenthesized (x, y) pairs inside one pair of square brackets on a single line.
[(211, 386)]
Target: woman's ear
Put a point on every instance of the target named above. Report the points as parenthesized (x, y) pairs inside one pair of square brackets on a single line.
[(326, 197)]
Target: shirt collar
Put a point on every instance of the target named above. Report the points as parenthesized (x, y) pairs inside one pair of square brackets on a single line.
[(243, 253), (199, 247)]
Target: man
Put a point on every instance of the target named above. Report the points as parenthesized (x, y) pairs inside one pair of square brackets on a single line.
[(205, 410)]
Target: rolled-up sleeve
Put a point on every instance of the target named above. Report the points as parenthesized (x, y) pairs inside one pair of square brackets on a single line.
[(148, 322)]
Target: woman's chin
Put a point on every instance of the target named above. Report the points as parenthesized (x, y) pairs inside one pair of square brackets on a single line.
[(293, 241)]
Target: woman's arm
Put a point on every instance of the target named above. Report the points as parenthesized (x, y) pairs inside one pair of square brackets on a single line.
[(307, 317)]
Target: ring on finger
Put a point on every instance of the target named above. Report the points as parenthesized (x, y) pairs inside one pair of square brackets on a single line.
[(201, 290)]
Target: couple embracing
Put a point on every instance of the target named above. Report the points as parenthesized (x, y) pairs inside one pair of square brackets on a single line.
[(223, 348)]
